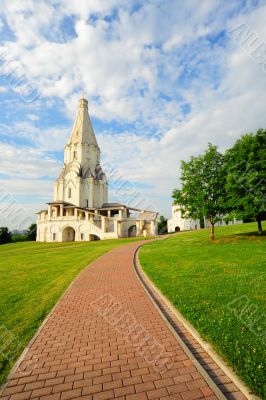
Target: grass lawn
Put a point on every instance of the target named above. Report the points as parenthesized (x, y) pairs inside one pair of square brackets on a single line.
[(32, 278), (220, 288)]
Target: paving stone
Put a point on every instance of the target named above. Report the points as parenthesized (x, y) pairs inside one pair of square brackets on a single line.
[(106, 340)]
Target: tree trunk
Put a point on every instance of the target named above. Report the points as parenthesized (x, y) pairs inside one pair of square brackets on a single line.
[(212, 231), (259, 226)]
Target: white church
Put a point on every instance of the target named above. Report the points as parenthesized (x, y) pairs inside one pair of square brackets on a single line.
[(179, 223), (80, 210)]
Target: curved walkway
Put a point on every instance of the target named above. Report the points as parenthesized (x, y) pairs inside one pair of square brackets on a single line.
[(105, 339)]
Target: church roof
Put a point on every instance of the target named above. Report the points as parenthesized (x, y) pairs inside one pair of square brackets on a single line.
[(147, 216), (60, 202), (111, 205), (82, 131)]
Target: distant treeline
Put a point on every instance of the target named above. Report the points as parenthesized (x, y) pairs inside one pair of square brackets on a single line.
[(7, 237)]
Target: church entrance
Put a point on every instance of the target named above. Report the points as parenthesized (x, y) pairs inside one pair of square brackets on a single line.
[(93, 237), (132, 231), (68, 235)]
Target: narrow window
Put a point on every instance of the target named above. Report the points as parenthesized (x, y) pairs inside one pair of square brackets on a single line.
[(82, 236), (87, 203), (75, 154), (54, 236), (69, 193)]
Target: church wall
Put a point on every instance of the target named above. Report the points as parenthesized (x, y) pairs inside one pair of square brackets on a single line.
[(59, 190), (128, 223), (189, 224), (56, 197), (75, 151), (67, 153), (177, 221), (90, 193), (53, 230), (84, 192), (90, 154), (80, 183)]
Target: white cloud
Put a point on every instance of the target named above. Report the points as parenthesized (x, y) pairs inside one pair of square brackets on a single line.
[(112, 61), (126, 66), (219, 116), (84, 8), (26, 163), (175, 40), (33, 117)]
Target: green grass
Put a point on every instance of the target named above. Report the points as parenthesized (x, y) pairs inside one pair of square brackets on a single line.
[(32, 278), (201, 279)]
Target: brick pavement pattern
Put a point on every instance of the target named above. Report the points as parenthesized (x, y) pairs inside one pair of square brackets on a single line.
[(106, 340)]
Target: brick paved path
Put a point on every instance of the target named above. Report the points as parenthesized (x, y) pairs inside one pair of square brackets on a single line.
[(105, 340)]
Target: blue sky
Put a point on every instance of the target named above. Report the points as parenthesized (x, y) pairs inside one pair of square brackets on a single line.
[(163, 78)]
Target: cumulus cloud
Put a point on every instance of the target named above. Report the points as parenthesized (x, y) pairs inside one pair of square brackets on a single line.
[(169, 72), (26, 163)]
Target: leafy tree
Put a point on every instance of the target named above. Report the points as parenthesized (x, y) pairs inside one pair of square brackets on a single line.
[(31, 232), (202, 192), (162, 225), (246, 177), (19, 238), (5, 235)]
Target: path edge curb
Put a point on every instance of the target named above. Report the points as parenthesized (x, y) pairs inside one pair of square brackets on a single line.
[(149, 285)]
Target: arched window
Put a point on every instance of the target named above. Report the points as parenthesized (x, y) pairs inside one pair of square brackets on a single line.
[(69, 193)]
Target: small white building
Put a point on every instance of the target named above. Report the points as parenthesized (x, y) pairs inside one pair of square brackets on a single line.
[(80, 209), (178, 223)]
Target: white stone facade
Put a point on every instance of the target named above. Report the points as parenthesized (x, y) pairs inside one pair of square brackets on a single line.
[(178, 223), (82, 180), (80, 210)]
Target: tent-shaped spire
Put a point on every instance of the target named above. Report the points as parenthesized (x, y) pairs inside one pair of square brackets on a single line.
[(82, 131)]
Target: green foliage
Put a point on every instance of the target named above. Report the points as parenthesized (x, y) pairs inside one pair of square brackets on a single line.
[(5, 235), (32, 231), (19, 238), (162, 225), (30, 235), (202, 190), (230, 185), (220, 288), (246, 177)]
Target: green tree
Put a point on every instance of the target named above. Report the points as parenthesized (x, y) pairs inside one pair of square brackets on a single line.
[(31, 232), (162, 225), (5, 235), (246, 177), (202, 192)]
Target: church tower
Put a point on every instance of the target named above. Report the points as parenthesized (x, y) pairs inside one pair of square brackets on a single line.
[(80, 210), (82, 181)]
